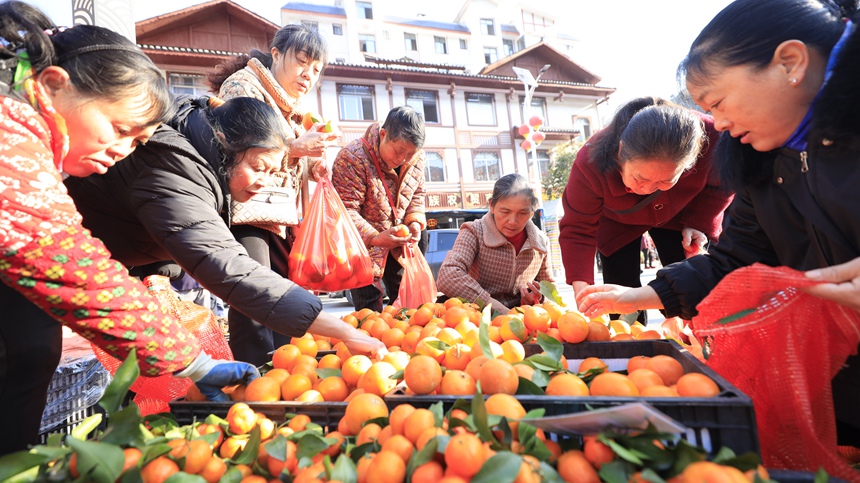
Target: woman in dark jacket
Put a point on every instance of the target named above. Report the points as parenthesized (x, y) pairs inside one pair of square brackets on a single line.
[(169, 201), (650, 170), (780, 78)]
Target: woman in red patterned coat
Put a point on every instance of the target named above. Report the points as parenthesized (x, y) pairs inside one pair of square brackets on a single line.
[(501, 258), (72, 103)]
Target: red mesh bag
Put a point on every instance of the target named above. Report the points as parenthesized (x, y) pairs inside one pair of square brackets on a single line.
[(417, 286), (770, 340), (329, 254), (154, 393)]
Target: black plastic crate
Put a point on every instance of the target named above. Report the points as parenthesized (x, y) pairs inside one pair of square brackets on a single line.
[(725, 420), (326, 414)]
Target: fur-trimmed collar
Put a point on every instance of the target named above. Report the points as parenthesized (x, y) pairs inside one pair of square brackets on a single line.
[(836, 117)]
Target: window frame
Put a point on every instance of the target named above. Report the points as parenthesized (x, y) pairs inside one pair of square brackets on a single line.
[(435, 94), (337, 29), (340, 106), (488, 26), (541, 162), (438, 152), (493, 152), (443, 41), (414, 42), (197, 90), (491, 55), (464, 45), (364, 12), (508, 47), (363, 43), (544, 113), (492, 98)]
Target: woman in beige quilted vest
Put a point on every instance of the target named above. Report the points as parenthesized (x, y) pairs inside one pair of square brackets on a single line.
[(501, 258), (280, 77)]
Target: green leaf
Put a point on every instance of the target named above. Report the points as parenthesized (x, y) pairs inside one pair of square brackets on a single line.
[(553, 348), (739, 315), (311, 444), (344, 470), (182, 477), (248, 454), (540, 378), (438, 411), (632, 456), (614, 472), (545, 363), (685, 453), (233, 475), (125, 375), (652, 476), (479, 415), (502, 467), (744, 462), (723, 455), (125, 428), (527, 387), (821, 476), (630, 318), (101, 461), (361, 450), (397, 375), (15, 463), (277, 448), (484, 333), (439, 345), (323, 373), (549, 290), (87, 426), (548, 474), (426, 454)]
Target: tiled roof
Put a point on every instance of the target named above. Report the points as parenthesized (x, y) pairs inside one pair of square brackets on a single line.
[(187, 50), (310, 7), (510, 28), (435, 24), (407, 62)]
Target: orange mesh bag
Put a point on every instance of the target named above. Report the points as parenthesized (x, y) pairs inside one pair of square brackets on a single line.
[(329, 254), (154, 393), (417, 286), (770, 340)]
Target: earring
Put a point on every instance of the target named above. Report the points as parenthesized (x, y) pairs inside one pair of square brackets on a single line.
[(792, 81)]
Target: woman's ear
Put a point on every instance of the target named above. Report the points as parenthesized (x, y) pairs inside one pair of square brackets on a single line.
[(54, 79), (792, 57)]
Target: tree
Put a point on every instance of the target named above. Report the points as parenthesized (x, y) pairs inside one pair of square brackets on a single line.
[(683, 98), (561, 162)]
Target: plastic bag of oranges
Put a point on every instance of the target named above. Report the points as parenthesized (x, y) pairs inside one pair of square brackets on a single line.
[(417, 286), (329, 254)]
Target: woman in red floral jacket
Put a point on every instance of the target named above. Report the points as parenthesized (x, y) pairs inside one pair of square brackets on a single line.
[(74, 102)]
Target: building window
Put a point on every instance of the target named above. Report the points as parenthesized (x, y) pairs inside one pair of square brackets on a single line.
[(386, 35), (521, 42), (194, 85), (337, 29), (543, 162), (340, 60), (583, 125), (425, 103), (487, 167), (487, 27), (508, 47), (480, 109), (315, 26), (434, 167), (367, 43), (490, 55), (441, 45), (538, 109), (463, 44), (356, 102), (411, 41), (535, 23), (365, 9)]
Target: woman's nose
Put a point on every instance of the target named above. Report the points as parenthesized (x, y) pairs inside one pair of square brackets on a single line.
[(721, 123), (121, 149)]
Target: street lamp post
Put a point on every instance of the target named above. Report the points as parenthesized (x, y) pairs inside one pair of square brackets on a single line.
[(530, 83)]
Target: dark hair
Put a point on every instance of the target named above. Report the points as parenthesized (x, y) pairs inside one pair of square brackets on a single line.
[(246, 123), (100, 63), (295, 37), (406, 124), (749, 31), (649, 128), (511, 185)]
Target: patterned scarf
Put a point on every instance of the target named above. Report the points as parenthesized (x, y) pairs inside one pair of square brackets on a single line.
[(286, 104)]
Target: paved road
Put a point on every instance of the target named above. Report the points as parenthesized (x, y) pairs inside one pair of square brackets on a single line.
[(340, 306)]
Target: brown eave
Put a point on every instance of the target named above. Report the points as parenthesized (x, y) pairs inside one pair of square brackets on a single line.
[(151, 24)]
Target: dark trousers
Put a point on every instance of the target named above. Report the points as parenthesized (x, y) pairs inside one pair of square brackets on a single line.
[(250, 340), (370, 296), (31, 343), (622, 267)]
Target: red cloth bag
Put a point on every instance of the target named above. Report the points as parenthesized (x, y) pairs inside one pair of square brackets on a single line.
[(782, 347), (418, 285), (329, 254), (152, 394)]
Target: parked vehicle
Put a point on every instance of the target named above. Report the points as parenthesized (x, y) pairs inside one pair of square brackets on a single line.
[(439, 242)]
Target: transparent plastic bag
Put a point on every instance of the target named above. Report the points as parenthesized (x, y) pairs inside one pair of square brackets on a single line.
[(417, 286), (329, 254)]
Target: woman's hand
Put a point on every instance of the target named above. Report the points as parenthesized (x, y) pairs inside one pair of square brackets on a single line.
[(578, 285), (842, 283), (415, 230), (387, 239), (360, 343), (693, 241), (312, 143), (319, 170), (530, 293), (596, 300)]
